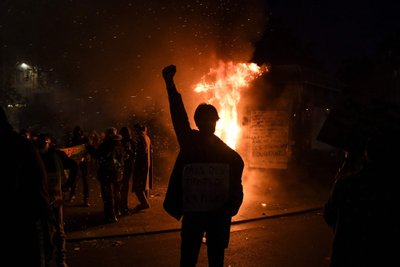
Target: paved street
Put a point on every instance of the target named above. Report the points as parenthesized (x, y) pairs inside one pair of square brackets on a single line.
[(301, 240), (266, 193), (279, 222)]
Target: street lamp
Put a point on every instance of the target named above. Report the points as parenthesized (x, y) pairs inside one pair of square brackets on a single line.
[(24, 66)]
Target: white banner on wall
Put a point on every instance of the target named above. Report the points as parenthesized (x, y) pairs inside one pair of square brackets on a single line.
[(269, 136)]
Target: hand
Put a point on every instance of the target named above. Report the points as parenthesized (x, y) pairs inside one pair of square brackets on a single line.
[(169, 72)]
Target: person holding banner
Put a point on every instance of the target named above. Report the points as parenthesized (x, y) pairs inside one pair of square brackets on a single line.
[(80, 143), (205, 188)]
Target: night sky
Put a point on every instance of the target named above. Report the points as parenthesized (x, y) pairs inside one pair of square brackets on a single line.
[(123, 38), (98, 49), (340, 29)]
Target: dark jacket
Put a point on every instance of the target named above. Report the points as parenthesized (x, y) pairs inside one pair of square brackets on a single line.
[(25, 198), (110, 155), (55, 174), (362, 211), (196, 149)]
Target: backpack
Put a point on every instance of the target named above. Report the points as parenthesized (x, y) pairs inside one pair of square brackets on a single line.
[(110, 167)]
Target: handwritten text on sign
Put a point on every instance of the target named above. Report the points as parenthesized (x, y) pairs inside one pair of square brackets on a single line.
[(205, 186), (269, 139)]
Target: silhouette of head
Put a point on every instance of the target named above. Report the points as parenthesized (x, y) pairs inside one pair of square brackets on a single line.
[(139, 128), (111, 132), (44, 142), (206, 117), (125, 132)]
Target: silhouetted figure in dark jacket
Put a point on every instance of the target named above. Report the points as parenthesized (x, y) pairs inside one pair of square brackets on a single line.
[(205, 187), (73, 167), (142, 167), (27, 215), (129, 148), (363, 209), (110, 155), (55, 176), (78, 138)]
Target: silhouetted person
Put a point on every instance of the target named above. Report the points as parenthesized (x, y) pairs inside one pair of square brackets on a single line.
[(94, 142), (73, 167), (362, 209), (205, 187), (142, 167), (78, 138), (129, 149), (354, 158), (110, 155), (55, 175), (27, 215)]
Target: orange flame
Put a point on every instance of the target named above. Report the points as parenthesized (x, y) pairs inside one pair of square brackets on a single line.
[(222, 87)]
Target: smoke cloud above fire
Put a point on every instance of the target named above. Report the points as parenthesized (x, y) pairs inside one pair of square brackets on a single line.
[(193, 35), (148, 35)]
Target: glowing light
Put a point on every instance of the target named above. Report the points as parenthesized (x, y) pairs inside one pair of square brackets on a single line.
[(222, 87), (24, 66)]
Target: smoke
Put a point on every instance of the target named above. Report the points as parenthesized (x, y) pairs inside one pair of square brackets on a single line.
[(124, 73)]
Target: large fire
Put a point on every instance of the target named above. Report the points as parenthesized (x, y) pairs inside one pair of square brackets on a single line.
[(222, 86)]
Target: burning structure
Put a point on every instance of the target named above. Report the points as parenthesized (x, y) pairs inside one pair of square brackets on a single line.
[(269, 114)]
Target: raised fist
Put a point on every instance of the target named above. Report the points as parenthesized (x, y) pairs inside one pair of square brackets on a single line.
[(169, 72)]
